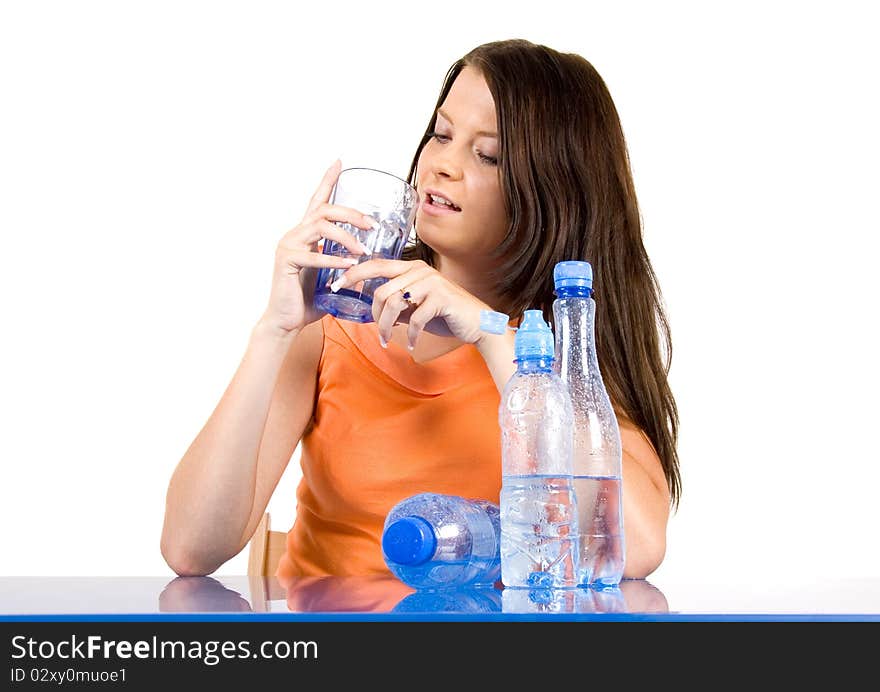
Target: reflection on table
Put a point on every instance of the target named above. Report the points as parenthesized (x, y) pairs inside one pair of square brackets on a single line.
[(387, 594), (631, 596), (201, 594), (367, 594), (371, 597)]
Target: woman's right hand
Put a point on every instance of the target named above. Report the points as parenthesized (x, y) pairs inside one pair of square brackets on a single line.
[(298, 257)]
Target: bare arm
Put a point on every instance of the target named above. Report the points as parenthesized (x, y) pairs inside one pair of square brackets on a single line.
[(223, 483), (221, 486), (646, 503), (497, 351)]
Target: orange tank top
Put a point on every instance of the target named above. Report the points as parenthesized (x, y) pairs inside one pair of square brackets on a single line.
[(385, 428)]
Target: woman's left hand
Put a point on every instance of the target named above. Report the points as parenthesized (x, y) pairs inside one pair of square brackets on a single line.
[(418, 294)]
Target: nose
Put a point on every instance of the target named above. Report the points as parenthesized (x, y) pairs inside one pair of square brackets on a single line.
[(445, 162)]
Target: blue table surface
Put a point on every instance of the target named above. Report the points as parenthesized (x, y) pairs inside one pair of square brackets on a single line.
[(386, 598)]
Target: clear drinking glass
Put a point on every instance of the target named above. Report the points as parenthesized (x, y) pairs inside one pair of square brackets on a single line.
[(393, 203)]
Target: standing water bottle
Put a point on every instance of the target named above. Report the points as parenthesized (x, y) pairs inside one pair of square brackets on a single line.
[(434, 541), (597, 449), (538, 511)]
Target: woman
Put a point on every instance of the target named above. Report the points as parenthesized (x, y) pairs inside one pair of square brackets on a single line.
[(526, 143)]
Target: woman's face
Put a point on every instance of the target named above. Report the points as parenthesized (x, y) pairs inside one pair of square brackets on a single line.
[(460, 163)]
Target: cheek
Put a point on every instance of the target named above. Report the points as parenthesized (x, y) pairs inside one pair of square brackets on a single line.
[(493, 210), (424, 158), (492, 220)]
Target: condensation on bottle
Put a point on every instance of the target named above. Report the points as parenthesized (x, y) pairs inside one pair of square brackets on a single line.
[(538, 507), (596, 460)]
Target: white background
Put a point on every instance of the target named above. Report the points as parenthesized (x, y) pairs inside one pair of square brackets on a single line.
[(152, 155)]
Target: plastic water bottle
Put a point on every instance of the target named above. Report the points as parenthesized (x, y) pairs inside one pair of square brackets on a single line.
[(538, 510), (434, 541), (597, 448)]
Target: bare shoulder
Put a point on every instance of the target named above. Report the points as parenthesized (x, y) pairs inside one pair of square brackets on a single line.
[(638, 448)]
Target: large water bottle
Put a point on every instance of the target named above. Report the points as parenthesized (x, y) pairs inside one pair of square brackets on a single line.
[(538, 512), (435, 541), (597, 448)]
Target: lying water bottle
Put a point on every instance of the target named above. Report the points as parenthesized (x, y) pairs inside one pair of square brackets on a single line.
[(435, 541), (538, 508), (596, 462)]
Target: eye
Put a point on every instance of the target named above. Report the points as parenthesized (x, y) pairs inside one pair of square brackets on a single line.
[(489, 160)]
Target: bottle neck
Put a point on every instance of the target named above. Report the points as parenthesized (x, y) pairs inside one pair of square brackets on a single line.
[(531, 364), (574, 292), (575, 326)]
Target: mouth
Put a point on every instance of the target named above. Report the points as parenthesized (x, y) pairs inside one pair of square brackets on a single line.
[(431, 209), (437, 201)]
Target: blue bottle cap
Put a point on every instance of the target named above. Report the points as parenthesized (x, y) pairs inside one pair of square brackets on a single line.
[(572, 273), (493, 322), (534, 338), (409, 541)]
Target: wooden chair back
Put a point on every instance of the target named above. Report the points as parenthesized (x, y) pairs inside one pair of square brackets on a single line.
[(264, 551)]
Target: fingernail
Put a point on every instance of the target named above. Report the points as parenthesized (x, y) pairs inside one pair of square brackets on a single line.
[(336, 285), (382, 342), (352, 260), (364, 248), (374, 224)]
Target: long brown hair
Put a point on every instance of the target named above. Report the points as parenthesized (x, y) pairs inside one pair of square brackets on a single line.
[(569, 194)]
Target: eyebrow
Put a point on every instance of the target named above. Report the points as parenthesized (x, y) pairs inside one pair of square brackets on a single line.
[(483, 133)]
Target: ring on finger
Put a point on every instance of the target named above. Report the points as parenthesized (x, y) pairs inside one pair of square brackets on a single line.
[(407, 296)]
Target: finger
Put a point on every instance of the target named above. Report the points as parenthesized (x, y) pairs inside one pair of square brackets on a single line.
[(325, 187), (400, 283), (330, 231), (299, 259), (414, 303), (377, 267), (386, 316), (337, 212), (390, 305), (426, 311), (315, 232)]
